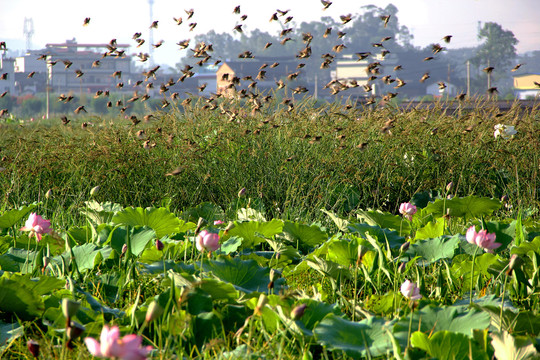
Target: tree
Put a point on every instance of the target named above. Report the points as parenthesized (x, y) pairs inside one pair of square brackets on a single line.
[(498, 49)]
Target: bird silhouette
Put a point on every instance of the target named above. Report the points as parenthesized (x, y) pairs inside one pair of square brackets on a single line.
[(79, 109), (86, 21), (515, 68), (385, 19)]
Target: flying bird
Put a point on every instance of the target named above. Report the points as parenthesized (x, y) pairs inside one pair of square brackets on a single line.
[(385, 19), (345, 18), (79, 109), (424, 77), (447, 38), (86, 21), (516, 67), (326, 4)]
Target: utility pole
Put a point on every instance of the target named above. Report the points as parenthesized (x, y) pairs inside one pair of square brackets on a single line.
[(468, 78), (488, 77)]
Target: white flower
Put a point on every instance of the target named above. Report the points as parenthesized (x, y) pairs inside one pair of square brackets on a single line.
[(504, 131)]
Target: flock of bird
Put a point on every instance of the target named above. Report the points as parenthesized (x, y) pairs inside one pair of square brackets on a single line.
[(201, 52)]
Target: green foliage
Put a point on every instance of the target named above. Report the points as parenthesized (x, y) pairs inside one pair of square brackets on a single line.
[(446, 345), (161, 220)]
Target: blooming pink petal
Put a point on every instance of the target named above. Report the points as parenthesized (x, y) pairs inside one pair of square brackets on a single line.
[(109, 341), (93, 346), (37, 226), (410, 290), (407, 210), (207, 241), (471, 235)]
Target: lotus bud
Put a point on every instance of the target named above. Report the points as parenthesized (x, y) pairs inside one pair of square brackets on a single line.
[(200, 223), (298, 311), (74, 330), (504, 198), (124, 249), (515, 261), (274, 275), (70, 307), (94, 190), (362, 250), (402, 267), (229, 227), (33, 347), (263, 300), (449, 186), (404, 247), (159, 245), (48, 194), (154, 311), (242, 192)]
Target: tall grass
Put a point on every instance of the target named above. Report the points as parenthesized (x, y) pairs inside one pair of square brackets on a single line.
[(295, 162)]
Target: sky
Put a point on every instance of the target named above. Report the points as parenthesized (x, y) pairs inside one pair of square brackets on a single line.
[(55, 21)]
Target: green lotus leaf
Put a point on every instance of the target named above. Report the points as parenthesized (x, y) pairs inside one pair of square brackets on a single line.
[(383, 235), (161, 220), (304, 235), (19, 299), (85, 255), (219, 290), (357, 339), (447, 345), (467, 207), (508, 347), (433, 250), (459, 319), (343, 252), (255, 232), (246, 276), (139, 237), (432, 230), (10, 217), (384, 220)]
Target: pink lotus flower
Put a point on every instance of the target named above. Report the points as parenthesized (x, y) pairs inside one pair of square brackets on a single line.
[(410, 290), (482, 239), (207, 241), (218, 222), (407, 210), (126, 348), (37, 226)]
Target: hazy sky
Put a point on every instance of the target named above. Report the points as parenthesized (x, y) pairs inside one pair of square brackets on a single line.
[(429, 20)]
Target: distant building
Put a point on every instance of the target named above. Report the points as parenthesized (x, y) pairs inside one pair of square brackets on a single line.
[(95, 68), (235, 75), (525, 86), (363, 76), (7, 67), (437, 91)]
